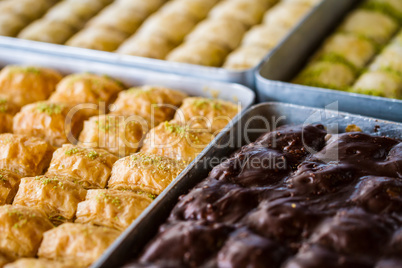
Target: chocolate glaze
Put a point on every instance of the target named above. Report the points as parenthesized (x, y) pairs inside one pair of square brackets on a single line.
[(333, 203), (246, 249)]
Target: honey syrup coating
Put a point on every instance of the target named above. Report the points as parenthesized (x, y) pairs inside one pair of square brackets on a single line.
[(322, 212), (55, 122), (9, 183), (89, 167), (26, 84), (23, 155), (7, 112)]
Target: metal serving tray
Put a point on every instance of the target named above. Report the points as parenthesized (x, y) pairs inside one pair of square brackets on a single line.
[(272, 85), (257, 120), (246, 77)]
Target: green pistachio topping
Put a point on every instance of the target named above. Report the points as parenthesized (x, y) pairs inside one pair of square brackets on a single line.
[(49, 108)]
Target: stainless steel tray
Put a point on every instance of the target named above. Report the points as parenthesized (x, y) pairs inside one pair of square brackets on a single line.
[(246, 77), (271, 78), (245, 129)]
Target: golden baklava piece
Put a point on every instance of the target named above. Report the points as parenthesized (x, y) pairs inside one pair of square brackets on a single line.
[(26, 156), (75, 243), (56, 196), (21, 230), (9, 182), (38, 263), (155, 104), (175, 140), (111, 208), (90, 167), (212, 114), (86, 88), (56, 123), (147, 173), (7, 112), (116, 134), (27, 84)]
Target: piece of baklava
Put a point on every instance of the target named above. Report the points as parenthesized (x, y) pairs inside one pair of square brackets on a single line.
[(90, 167), (265, 36), (77, 244), (225, 32), (116, 134), (111, 208), (379, 83), (353, 49), (333, 75), (26, 156), (245, 57), (98, 38), (286, 14), (75, 13), (373, 25), (26, 84), (212, 114), (56, 196), (21, 230), (155, 104), (170, 25), (142, 172), (7, 112), (86, 88), (118, 18), (390, 59), (56, 123), (248, 12), (199, 53), (38, 263), (9, 182), (197, 9), (147, 45), (55, 32), (11, 24), (177, 141), (29, 10)]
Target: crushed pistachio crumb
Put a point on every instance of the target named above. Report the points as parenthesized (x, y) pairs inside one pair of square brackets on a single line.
[(93, 155), (49, 108), (71, 151)]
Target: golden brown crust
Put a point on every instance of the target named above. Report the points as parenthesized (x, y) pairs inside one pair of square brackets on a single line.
[(54, 122), (145, 173), (68, 242), (212, 114), (90, 167), (38, 263), (113, 133), (7, 112), (57, 197), (26, 156), (9, 182), (21, 230), (86, 88), (174, 140), (155, 104), (111, 208), (27, 84)]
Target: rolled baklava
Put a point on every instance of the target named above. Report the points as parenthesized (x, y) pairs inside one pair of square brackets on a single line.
[(116, 134), (76, 244), (26, 156), (26, 84), (177, 141), (89, 167), (56, 123), (111, 208), (57, 196), (21, 230), (143, 172)]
